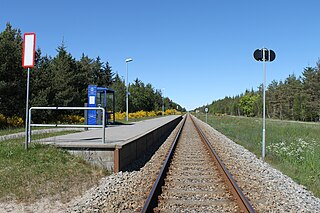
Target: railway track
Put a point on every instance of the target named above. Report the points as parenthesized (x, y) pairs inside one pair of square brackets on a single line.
[(193, 178)]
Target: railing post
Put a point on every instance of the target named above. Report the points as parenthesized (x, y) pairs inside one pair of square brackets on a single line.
[(29, 126), (86, 116), (104, 125)]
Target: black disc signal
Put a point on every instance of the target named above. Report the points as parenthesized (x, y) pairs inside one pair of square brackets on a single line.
[(264, 54)]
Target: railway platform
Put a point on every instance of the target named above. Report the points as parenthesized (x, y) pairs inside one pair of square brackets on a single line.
[(123, 143)]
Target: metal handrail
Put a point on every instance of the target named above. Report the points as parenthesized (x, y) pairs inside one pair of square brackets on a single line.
[(67, 125)]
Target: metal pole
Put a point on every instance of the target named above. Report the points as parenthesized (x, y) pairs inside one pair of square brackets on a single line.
[(114, 108), (86, 116), (104, 125), (163, 103), (29, 127), (264, 107), (27, 110), (206, 117), (127, 101), (105, 103)]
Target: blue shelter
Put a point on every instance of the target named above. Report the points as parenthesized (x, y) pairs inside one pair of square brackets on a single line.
[(97, 96)]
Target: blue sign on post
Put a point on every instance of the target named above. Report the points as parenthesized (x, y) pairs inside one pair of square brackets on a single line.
[(92, 102)]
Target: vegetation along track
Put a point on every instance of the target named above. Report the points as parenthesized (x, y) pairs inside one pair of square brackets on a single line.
[(194, 178)]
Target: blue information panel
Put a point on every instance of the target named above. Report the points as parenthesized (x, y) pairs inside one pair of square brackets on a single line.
[(92, 102)]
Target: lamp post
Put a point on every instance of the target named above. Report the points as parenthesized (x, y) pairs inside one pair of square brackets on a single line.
[(163, 102), (127, 92)]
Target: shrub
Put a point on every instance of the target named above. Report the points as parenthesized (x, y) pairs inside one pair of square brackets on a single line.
[(3, 121), (172, 112), (139, 114), (143, 114), (159, 113), (15, 121), (72, 119), (152, 114), (119, 115)]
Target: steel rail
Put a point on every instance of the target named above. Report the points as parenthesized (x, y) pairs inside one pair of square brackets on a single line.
[(242, 201), (152, 200)]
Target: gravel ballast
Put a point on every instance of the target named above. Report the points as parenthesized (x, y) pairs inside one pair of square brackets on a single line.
[(267, 188)]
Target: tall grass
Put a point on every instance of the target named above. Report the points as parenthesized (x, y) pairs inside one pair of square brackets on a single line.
[(42, 171), (8, 131), (291, 147)]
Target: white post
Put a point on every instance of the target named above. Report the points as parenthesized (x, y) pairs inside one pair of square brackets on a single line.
[(127, 92), (206, 110), (27, 110), (163, 103), (104, 125), (127, 98), (29, 127), (206, 117), (264, 107)]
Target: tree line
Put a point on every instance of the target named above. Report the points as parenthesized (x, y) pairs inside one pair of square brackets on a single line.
[(63, 80), (295, 98)]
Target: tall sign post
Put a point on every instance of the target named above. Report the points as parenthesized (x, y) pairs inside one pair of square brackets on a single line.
[(264, 55), (28, 56), (206, 110)]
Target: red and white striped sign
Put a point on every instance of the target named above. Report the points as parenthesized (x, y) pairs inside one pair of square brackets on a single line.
[(28, 50)]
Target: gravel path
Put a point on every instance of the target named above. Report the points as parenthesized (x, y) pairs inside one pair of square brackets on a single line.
[(268, 189)]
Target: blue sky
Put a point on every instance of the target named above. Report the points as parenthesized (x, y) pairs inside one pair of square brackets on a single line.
[(198, 51)]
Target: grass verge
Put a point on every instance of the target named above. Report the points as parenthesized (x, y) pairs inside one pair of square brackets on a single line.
[(291, 147), (11, 131), (43, 171)]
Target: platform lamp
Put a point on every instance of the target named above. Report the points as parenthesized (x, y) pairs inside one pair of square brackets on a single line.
[(127, 92), (162, 102)]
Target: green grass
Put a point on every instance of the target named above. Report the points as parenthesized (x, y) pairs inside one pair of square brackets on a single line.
[(42, 171), (291, 147), (10, 131)]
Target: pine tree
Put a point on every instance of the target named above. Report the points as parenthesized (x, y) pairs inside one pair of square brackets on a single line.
[(40, 86), (12, 76), (292, 88), (120, 93), (311, 87), (84, 77), (63, 68)]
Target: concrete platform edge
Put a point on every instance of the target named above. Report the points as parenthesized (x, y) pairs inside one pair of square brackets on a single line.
[(136, 147), (115, 158)]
